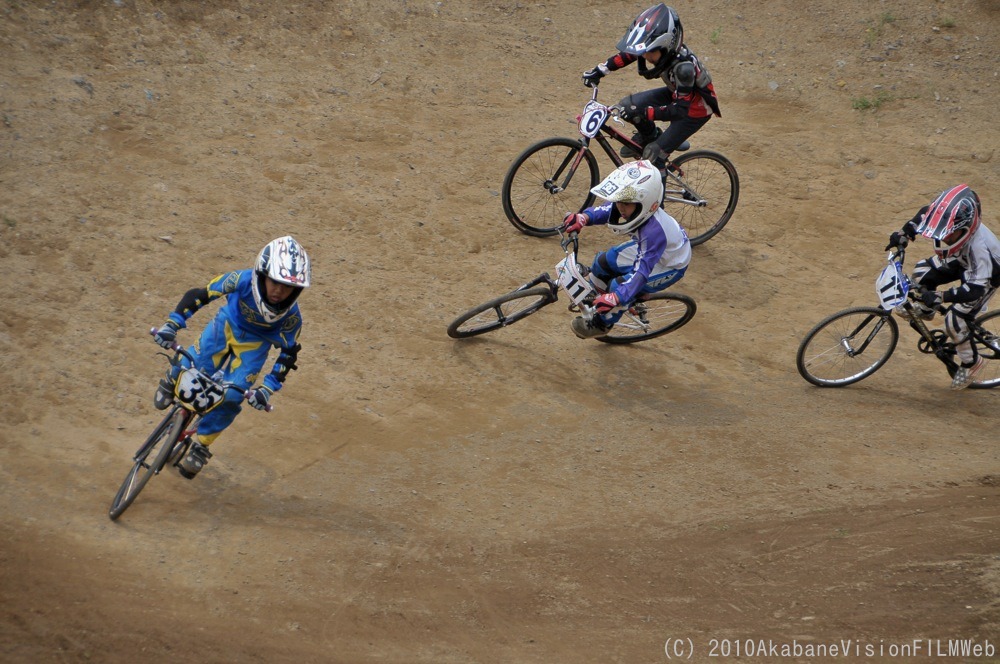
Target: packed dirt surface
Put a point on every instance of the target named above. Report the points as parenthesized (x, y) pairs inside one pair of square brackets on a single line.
[(524, 496)]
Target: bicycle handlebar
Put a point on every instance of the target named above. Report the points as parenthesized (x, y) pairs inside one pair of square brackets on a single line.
[(177, 348)]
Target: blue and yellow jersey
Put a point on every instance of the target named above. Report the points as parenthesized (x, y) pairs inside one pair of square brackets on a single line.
[(241, 309)]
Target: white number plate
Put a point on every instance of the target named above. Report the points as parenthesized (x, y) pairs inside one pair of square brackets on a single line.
[(575, 285), (891, 287), (197, 391), (594, 115)]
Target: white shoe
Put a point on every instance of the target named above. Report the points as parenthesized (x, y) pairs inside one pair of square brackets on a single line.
[(966, 375), (587, 329)]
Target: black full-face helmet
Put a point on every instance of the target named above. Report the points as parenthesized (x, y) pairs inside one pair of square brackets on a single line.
[(657, 28)]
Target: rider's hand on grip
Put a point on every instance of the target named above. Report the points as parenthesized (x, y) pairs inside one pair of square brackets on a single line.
[(166, 335), (897, 239), (573, 222), (605, 302), (633, 113), (259, 398), (932, 299), (592, 77)]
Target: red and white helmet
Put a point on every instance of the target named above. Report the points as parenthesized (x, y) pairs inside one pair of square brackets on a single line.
[(285, 261), (635, 182), (951, 220)]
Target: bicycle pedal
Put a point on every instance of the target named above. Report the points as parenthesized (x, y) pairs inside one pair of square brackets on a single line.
[(574, 308)]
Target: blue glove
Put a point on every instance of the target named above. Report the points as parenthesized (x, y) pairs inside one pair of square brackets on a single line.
[(258, 398), (167, 334)]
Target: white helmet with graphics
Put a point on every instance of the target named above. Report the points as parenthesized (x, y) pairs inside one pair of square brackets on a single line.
[(286, 262), (635, 182)]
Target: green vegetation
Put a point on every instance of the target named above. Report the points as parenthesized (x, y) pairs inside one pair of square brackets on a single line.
[(946, 22), (714, 35), (870, 103), (877, 27), (8, 222)]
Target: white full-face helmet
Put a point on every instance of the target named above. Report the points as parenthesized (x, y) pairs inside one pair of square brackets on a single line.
[(285, 261), (635, 182)]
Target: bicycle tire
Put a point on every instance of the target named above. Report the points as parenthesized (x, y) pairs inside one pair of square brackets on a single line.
[(989, 349), (664, 312), (527, 194), (825, 360), (159, 445), (713, 179), (493, 315)]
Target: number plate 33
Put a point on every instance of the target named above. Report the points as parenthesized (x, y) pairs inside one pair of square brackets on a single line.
[(198, 392)]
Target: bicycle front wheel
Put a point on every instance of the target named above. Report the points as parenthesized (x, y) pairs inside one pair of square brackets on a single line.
[(150, 458), (702, 193), (500, 312), (548, 180), (988, 346), (847, 346), (654, 315)]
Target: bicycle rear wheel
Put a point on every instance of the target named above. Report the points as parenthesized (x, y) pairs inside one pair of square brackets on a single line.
[(702, 196), (847, 346), (501, 312), (150, 458), (988, 347), (545, 182), (654, 315)]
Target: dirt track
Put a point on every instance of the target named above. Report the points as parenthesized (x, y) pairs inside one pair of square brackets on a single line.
[(521, 497)]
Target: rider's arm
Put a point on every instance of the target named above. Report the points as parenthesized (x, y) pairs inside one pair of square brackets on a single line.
[(617, 61), (598, 214), (196, 298), (286, 362), (967, 292), (192, 301)]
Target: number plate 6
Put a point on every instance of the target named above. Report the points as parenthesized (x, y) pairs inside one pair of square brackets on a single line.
[(594, 115)]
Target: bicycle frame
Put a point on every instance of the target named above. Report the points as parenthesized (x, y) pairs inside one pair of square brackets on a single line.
[(595, 124)]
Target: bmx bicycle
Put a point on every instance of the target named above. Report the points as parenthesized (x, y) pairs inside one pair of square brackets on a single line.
[(651, 315), (195, 394), (854, 343), (554, 176)]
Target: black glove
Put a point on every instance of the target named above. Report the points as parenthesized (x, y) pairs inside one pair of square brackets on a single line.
[(635, 114), (258, 398), (592, 77), (932, 299), (286, 362), (897, 239), (167, 334)]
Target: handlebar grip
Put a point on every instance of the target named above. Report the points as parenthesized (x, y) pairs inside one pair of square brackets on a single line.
[(267, 409), (174, 346)]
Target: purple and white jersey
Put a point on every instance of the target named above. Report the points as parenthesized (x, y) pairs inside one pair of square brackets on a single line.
[(660, 246)]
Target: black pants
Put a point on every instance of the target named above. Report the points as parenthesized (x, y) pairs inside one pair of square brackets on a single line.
[(678, 131)]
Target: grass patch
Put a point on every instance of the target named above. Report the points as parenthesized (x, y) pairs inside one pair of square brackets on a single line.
[(877, 27), (714, 35), (946, 22), (8, 222), (870, 103)]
